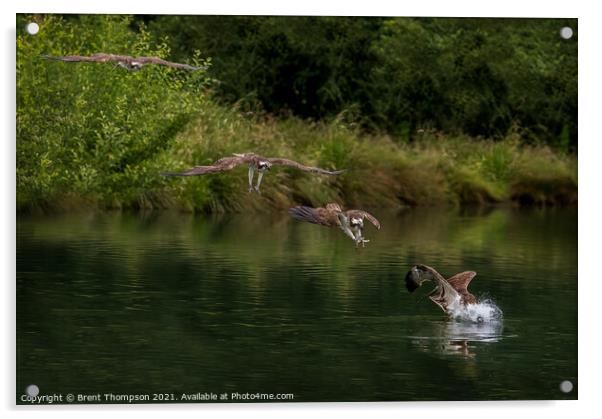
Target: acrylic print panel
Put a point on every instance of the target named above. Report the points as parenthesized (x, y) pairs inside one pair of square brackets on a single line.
[(219, 209)]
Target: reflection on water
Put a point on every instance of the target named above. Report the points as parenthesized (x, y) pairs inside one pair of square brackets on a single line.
[(170, 302), (457, 338)]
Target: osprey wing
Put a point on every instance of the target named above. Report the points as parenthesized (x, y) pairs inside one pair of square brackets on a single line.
[(444, 295), (459, 282), (291, 163), (320, 216), (161, 61), (222, 165), (96, 58)]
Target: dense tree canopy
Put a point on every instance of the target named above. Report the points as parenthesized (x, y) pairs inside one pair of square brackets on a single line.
[(482, 77)]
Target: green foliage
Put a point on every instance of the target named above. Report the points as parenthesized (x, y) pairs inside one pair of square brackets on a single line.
[(92, 130), (437, 169), (312, 66), (482, 77), (97, 135), (479, 76)]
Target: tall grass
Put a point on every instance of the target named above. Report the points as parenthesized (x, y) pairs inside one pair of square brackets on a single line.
[(433, 169)]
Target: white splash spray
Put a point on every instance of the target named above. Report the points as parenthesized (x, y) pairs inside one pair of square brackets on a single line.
[(484, 311)]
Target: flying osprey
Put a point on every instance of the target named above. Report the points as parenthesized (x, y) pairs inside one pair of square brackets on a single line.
[(449, 294), (255, 162), (350, 221), (125, 61)]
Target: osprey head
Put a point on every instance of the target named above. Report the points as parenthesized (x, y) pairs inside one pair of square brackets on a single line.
[(417, 275), (264, 165), (131, 66), (356, 222)]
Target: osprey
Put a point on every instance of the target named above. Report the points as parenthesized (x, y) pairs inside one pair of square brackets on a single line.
[(255, 162), (350, 221), (449, 294), (125, 61)]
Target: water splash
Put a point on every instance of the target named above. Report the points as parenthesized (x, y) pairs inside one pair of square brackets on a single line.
[(485, 311), (470, 326)]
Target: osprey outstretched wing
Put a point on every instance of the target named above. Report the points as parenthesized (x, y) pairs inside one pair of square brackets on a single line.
[(221, 165), (256, 163), (291, 163), (126, 61)]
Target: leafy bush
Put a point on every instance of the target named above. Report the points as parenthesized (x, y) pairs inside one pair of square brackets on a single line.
[(88, 130)]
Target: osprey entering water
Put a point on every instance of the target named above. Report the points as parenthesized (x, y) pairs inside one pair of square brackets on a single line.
[(125, 61), (449, 294), (255, 162), (350, 221)]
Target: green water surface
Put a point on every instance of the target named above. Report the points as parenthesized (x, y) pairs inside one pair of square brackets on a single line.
[(171, 303)]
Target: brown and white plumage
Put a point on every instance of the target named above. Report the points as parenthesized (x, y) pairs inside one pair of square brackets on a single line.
[(350, 221), (255, 162), (125, 61), (448, 293), (356, 215)]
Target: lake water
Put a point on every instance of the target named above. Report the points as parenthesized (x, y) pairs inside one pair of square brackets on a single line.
[(176, 304)]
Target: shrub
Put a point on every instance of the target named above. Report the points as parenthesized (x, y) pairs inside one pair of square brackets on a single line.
[(91, 129)]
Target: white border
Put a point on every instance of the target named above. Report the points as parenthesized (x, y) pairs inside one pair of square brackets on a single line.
[(468, 8), (590, 143)]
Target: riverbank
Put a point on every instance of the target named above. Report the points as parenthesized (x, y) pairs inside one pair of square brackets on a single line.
[(432, 169), (98, 137)]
